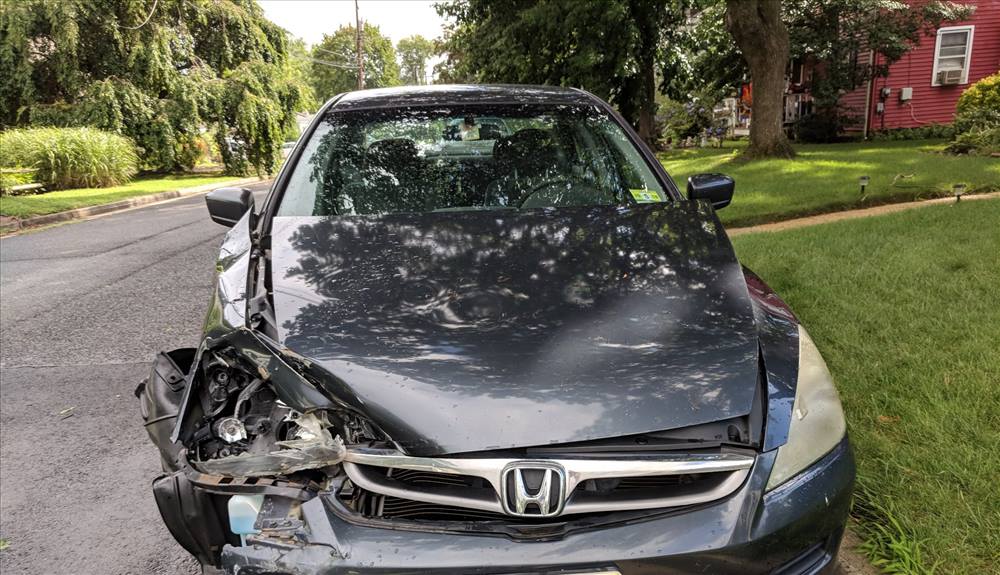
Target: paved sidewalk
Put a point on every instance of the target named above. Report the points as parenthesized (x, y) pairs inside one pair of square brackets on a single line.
[(853, 214)]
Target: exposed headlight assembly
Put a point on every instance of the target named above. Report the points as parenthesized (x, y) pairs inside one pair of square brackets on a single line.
[(817, 424)]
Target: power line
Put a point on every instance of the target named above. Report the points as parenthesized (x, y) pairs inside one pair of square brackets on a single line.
[(331, 64), (148, 16), (331, 52)]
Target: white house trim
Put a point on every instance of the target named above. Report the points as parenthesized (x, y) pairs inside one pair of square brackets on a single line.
[(968, 52)]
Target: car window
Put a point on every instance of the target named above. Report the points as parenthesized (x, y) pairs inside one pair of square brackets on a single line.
[(467, 158)]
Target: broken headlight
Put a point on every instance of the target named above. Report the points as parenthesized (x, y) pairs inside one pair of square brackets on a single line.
[(817, 423), (247, 431)]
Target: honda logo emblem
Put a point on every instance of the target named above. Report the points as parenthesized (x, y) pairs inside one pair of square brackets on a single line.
[(533, 489)]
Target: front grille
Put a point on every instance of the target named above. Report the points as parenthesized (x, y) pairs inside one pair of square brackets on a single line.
[(413, 477), (396, 508), (389, 507), (390, 485), (636, 483)]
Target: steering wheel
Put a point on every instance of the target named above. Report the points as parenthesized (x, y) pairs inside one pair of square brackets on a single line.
[(559, 184)]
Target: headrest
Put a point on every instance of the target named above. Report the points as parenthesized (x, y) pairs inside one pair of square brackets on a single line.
[(392, 153), (530, 151)]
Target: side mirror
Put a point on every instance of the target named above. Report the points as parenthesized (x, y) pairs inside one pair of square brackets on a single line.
[(716, 188), (227, 205)]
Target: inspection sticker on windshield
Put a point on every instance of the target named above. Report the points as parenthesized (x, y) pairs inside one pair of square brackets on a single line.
[(645, 196)]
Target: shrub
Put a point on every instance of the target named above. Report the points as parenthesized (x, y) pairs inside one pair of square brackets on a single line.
[(70, 157), (11, 177), (978, 140), (930, 131), (687, 119), (977, 118), (979, 106), (819, 127)]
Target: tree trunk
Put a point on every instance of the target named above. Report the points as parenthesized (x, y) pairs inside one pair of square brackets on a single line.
[(647, 104), (761, 35)]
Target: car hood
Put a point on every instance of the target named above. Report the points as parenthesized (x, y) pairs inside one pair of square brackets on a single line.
[(475, 330)]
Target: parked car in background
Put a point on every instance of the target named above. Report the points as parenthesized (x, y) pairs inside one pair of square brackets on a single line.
[(428, 355)]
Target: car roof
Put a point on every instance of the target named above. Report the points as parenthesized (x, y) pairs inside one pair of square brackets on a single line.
[(460, 94)]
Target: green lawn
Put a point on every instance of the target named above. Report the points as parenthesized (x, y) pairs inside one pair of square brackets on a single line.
[(51, 202), (824, 177), (906, 309)]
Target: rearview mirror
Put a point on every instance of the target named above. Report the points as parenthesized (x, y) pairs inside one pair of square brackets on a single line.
[(716, 188), (227, 205)]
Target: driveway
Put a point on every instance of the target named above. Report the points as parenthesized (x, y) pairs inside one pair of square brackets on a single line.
[(85, 307)]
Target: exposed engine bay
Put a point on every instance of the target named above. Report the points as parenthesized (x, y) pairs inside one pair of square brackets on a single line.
[(244, 428), (246, 431), (241, 411)]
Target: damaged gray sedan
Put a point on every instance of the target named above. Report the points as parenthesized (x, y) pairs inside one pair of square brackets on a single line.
[(478, 329)]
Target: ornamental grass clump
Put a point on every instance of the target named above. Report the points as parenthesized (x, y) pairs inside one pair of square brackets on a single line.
[(70, 157)]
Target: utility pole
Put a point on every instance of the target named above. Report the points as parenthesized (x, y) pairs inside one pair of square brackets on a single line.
[(360, 45)]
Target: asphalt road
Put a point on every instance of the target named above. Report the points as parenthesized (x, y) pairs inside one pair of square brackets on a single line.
[(84, 308)]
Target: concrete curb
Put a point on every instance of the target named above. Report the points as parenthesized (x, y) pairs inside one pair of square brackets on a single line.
[(10, 225)]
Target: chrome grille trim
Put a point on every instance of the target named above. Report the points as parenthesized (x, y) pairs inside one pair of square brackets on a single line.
[(735, 467), (452, 497)]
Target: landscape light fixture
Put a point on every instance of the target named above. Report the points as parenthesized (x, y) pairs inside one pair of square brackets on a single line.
[(958, 190), (863, 180)]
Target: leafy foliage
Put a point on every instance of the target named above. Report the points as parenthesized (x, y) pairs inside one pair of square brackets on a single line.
[(11, 177), (300, 74), (839, 34), (335, 58), (690, 117), (928, 132), (70, 157), (703, 58), (157, 72), (979, 104), (609, 48), (977, 118), (832, 36), (414, 51)]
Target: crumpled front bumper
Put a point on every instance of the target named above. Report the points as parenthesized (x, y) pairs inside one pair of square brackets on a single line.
[(795, 529)]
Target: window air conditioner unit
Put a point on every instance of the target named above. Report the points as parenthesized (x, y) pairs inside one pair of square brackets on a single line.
[(949, 77)]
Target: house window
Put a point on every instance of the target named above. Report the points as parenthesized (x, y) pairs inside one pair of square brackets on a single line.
[(951, 56)]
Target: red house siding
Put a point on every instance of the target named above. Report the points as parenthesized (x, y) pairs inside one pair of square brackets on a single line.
[(934, 104)]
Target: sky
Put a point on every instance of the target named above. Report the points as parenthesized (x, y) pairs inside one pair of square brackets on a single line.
[(310, 19)]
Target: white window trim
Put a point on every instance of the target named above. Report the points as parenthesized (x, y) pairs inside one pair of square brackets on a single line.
[(968, 52)]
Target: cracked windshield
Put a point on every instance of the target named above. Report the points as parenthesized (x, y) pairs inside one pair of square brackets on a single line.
[(481, 157)]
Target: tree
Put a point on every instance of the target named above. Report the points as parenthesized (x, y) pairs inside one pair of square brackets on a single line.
[(158, 72), (703, 60), (414, 51), (607, 47), (300, 72), (335, 58), (761, 35), (841, 33)]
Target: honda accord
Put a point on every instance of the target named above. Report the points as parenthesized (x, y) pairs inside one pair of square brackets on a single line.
[(478, 329)]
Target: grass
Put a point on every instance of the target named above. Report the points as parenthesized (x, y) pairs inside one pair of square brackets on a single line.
[(824, 177), (906, 309), (51, 202), (71, 157)]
